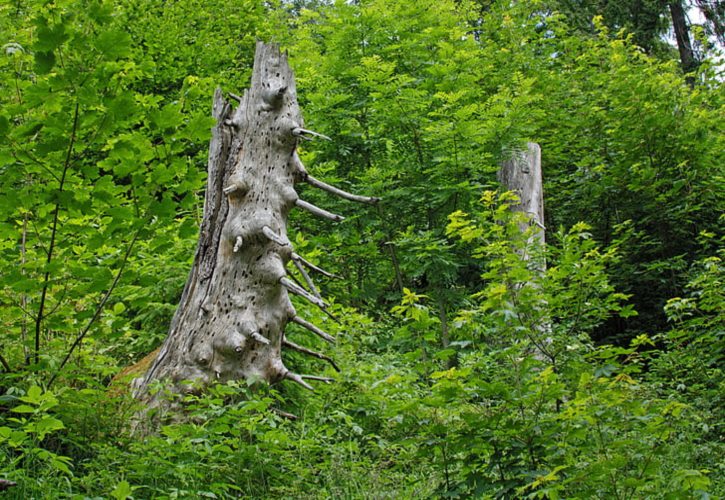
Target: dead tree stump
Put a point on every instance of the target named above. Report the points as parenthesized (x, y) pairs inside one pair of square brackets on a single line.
[(521, 173), (231, 319)]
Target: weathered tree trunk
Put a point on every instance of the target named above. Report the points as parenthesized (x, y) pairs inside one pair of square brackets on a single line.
[(522, 174), (231, 319)]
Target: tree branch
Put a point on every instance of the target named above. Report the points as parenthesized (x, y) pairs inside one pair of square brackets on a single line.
[(310, 352), (296, 256), (298, 290), (314, 329), (5, 364), (296, 378), (308, 135), (314, 210), (339, 192), (53, 234), (307, 278), (98, 311), (279, 239)]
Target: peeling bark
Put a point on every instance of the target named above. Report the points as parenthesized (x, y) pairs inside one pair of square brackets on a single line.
[(232, 316)]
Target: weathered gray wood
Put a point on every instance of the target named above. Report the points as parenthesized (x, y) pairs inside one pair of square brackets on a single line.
[(521, 173), (234, 309)]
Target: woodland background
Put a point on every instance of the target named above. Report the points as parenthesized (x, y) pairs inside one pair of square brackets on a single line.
[(105, 122)]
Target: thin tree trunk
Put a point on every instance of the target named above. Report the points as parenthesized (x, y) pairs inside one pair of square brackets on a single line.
[(445, 331), (443, 318), (24, 296), (393, 254), (714, 12), (682, 35)]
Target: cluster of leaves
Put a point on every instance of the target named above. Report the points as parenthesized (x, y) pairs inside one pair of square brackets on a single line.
[(652, 159), (477, 362), (573, 420)]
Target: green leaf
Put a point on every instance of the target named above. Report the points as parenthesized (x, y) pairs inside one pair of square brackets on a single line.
[(163, 209), (49, 38), (188, 228), (167, 118), (114, 44), (17, 438), (122, 491), (4, 125), (61, 463), (47, 425), (24, 409), (198, 129), (34, 395), (44, 62)]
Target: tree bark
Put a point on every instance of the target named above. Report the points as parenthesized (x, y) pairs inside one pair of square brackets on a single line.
[(682, 35), (232, 315), (522, 174)]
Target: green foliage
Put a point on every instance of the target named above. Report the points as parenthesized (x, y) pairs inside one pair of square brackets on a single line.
[(476, 362), (103, 154), (555, 301), (647, 20), (689, 368), (26, 440), (652, 158), (574, 421)]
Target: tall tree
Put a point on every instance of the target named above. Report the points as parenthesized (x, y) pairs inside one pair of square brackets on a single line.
[(649, 21), (682, 35), (646, 19), (714, 12)]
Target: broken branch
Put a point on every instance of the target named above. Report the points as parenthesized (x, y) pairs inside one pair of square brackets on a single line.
[(296, 378), (296, 256), (307, 278), (339, 192), (280, 240), (307, 135), (298, 290), (310, 352), (260, 338), (318, 211), (284, 414), (314, 329), (326, 380), (234, 187), (238, 244)]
